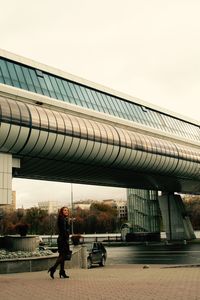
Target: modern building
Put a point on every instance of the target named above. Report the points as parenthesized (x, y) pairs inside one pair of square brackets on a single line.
[(59, 127), (122, 209)]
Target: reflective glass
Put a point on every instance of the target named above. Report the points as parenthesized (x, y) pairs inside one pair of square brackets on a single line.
[(13, 74), (86, 97), (101, 101), (73, 91), (121, 109), (114, 101), (133, 111), (90, 97), (55, 88), (49, 86), (158, 121), (61, 88), (80, 95), (5, 72), (35, 81), (69, 92), (1, 77), (111, 105), (28, 79), (43, 86), (105, 104), (127, 113), (21, 77), (38, 81)]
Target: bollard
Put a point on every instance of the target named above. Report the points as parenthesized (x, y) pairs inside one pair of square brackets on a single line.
[(84, 257)]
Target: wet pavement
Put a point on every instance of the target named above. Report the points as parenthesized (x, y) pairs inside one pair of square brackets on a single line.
[(124, 282), (154, 254)]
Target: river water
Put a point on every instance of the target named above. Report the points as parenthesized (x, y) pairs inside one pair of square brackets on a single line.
[(196, 232), (156, 253)]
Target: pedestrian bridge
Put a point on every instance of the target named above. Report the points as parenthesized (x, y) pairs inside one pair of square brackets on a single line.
[(55, 126)]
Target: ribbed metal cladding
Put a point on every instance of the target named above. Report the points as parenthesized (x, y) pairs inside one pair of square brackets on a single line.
[(32, 131)]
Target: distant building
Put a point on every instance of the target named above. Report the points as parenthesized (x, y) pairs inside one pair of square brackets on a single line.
[(120, 205), (50, 206), (122, 209), (85, 206), (111, 202)]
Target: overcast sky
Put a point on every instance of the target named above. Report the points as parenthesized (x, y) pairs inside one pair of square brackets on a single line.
[(146, 48)]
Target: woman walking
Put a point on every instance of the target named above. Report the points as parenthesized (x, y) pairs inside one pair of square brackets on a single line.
[(62, 241)]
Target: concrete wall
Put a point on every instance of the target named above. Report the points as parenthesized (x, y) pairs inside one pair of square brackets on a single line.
[(79, 260)]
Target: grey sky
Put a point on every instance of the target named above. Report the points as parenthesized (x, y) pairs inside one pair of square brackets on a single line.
[(148, 49)]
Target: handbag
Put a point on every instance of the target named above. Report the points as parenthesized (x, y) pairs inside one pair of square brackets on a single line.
[(68, 255)]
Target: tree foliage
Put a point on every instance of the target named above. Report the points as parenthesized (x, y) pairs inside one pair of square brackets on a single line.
[(100, 218), (192, 206)]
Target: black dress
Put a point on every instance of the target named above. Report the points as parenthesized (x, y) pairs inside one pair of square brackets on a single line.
[(63, 235)]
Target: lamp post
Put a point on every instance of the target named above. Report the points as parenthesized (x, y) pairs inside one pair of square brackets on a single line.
[(72, 205)]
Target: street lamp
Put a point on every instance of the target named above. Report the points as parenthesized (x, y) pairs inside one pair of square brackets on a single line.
[(72, 206)]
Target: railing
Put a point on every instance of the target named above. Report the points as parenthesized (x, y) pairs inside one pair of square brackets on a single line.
[(86, 238)]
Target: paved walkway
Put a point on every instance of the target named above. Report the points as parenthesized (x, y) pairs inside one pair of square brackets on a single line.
[(111, 282)]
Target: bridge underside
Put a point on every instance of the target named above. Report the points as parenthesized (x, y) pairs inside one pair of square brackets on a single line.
[(65, 171)]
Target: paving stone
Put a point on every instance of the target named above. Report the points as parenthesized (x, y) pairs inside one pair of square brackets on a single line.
[(122, 282)]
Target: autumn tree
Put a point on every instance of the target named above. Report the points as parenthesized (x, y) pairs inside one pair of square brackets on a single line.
[(192, 206)]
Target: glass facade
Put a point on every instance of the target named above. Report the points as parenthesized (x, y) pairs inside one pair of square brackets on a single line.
[(37, 81), (143, 210)]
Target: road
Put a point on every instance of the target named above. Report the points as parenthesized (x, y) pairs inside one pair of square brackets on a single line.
[(154, 254)]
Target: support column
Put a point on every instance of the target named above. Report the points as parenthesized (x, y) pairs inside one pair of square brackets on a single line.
[(7, 163), (5, 178), (175, 220)]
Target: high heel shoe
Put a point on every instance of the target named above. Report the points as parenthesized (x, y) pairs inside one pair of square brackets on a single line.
[(63, 274), (52, 271)]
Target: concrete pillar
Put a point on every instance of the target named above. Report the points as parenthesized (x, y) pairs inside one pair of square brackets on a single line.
[(5, 178), (7, 163), (84, 257), (175, 220)]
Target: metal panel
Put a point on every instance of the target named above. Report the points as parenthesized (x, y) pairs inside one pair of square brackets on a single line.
[(30, 144), (4, 132), (11, 139), (21, 139)]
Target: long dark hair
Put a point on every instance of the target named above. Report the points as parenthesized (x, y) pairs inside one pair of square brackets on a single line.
[(60, 213)]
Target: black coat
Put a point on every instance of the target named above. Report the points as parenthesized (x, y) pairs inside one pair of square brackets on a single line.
[(63, 235)]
